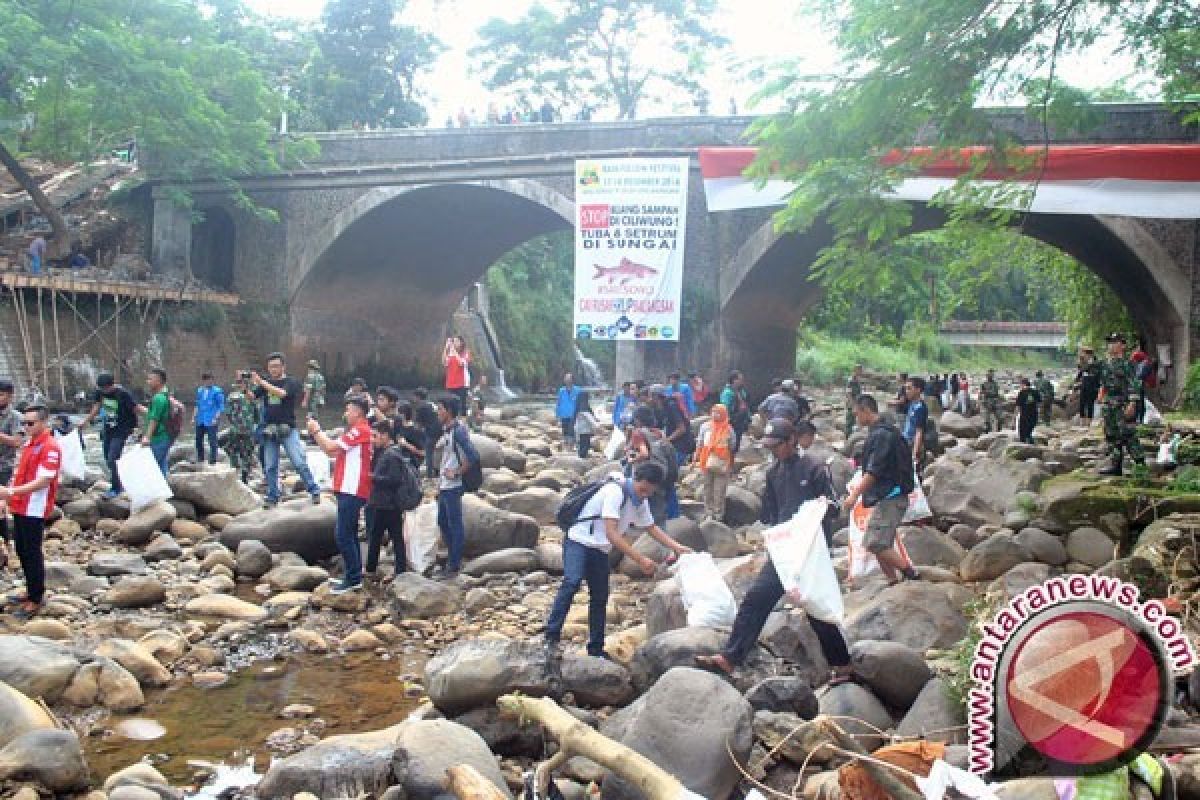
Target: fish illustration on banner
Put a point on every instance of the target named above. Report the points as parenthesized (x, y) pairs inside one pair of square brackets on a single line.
[(631, 216)]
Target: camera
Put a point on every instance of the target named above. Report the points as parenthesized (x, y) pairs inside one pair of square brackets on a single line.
[(244, 375)]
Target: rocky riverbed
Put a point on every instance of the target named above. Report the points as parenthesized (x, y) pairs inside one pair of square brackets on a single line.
[(198, 639)]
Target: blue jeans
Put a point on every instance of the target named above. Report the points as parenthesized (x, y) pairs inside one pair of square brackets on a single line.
[(112, 445), (673, 511), (209, 432), (348, 508), (161, 451), (450, 522), (295, 453), (582, 563), (35, 265)]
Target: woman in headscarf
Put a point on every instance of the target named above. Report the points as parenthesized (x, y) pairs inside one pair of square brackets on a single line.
[(714, 456)]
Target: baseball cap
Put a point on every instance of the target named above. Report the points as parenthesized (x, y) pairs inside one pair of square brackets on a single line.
[(788, 384), (1116, 336), (778, 430)]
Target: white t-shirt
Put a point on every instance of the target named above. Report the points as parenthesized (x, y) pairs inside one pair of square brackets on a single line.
[(611, 502)]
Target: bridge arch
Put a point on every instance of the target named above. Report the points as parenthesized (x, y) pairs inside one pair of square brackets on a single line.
[(765, 286), (379, 282)]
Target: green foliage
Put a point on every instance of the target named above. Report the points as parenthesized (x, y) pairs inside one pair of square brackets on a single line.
[(924, 76), (1186, 480), (1191, 388), (196, 318), (365, 67), (1188, 452), (612, 54), (978, 611)]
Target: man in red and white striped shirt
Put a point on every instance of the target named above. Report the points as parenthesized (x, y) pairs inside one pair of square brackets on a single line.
[(351, 484), (31, 499)]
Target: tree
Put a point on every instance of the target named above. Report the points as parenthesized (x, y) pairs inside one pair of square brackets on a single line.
[(921, 77), (96, 74), (614, 53), (366, 66)]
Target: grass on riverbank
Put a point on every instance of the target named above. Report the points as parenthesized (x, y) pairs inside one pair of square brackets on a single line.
[(824, 360)]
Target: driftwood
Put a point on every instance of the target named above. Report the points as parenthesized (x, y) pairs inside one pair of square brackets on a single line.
[(464, 782), (577, 739), (885, 776)]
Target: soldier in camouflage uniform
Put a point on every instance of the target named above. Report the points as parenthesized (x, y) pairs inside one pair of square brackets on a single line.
[(1046, 389), (853, 390), (1119, 383), (243, 418), (989, 399)]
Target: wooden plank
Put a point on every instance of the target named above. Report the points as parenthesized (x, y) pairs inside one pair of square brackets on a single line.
[(20, 280)]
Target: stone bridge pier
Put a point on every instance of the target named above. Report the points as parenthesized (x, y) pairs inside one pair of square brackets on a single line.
[(378, 241)]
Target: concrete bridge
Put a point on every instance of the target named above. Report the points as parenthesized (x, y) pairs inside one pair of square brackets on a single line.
[(1031, 335), (380, 237)]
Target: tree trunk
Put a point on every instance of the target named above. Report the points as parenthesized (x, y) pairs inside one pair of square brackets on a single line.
[(60, 243)]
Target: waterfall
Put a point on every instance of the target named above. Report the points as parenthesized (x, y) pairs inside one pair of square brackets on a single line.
[(587, 374), (500, 388)]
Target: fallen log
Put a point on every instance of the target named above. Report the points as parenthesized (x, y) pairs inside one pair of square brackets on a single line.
[(464, 782)]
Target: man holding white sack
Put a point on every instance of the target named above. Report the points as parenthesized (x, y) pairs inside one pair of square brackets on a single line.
[(793, 480)]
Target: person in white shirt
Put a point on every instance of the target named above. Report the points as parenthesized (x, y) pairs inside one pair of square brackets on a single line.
[(601, 525)]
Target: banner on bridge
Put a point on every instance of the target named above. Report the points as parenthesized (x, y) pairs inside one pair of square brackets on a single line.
[(630, 224)]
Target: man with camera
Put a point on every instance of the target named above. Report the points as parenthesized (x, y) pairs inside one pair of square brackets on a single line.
[(280, 394)]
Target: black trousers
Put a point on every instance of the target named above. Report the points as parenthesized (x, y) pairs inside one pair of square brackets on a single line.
[(385, 523), (5, 479), (28, 540), (1025, 425), (1087, 402), (760, 601)]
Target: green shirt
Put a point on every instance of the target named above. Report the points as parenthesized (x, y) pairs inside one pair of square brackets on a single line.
[(159, 410), (1118, 379), (314, 384)]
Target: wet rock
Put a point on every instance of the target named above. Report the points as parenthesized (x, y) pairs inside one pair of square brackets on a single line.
[(490, 529), (310, 640), (296, 526), (596, 681), (296, 579), (895, 672), (415, 596), (50, 758), (934, 716), (351, 765), (106, 683), (1044, 547), (222, 606), (920, 615), (536, 501), (928, 546), (425, 749), (785, 694), (742, 507), (37, 667), (511, 559), (20, 715), (214, 489), (141, 527), (110, 565), (675, 648), (348, 603), (688, 723), (472, 673), (140, 663), (253, 559), (857, 703), (993, 557), (1090, 546), (162, 548), (140, 775)]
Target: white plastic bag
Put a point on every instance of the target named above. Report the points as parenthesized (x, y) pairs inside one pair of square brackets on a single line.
[(74, 467), (142, 479), (1152, 416), (708, 601), (798, 551), (615, 443), (918, 504), (862, 562), (421, 537), (318, 465)]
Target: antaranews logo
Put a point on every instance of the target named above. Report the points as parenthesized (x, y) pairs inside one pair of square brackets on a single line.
[(1080, 670)]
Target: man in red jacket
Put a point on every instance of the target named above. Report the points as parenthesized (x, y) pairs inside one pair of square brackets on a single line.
[(351, 485), (31, 499)]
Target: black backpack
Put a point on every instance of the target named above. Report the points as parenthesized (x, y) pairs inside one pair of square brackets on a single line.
[(576, 500), (408, 494), (470, 466)]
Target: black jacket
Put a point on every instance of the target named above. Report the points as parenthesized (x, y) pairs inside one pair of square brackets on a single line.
[(790, 484), (389, 471), (888, 457)]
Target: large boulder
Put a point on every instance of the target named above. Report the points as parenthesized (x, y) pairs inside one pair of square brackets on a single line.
[(491, 452), (858, 712), (960, 427), (294, 578), (929, 547), (51, 758), (296, 526), (934, 715), (20, 715), (104, 682), (110, 565), (785, 693), (351, 765), (1090, 546), (596, 681), (490, 529), (142, 526), (425, 749), (253, 559), (675, 648), (895, 672), (416, 596), (982, 492), (226, 607), (1044, 547), (1068, 504), (742, 507), (511, 559), (214, 489), (36, 666), (536, 501), (472, 673), (993, 557), (136, 591), (136, 660), (920, 615), (689, 723)]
